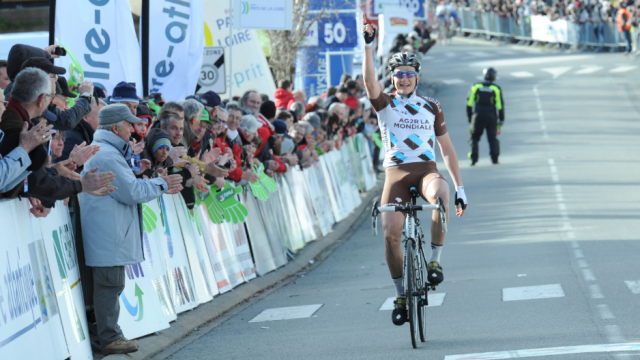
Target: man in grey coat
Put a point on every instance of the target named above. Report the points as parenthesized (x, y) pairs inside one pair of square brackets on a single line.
[(112, 225)]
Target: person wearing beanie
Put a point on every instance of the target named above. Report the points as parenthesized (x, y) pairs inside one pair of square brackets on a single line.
[(156, 150), (125, 93), (313, 119), (140, 129), (283, 95)]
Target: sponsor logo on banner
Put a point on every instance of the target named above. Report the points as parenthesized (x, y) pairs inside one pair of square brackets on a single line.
[(138, 310), (398, 21)]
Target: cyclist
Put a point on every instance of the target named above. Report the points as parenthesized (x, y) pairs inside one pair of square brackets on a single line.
[(442, 16), (410, 124), (488, 114)]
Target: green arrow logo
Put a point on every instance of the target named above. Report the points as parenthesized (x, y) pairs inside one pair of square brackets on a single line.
[(138, 293)]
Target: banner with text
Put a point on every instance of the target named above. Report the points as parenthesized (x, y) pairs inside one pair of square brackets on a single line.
[(103, 38), (176, 35)]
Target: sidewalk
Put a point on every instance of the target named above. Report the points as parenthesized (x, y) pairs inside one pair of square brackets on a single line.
[(190, 322)]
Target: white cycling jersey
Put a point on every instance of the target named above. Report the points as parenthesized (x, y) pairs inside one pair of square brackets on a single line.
[(408, 127)]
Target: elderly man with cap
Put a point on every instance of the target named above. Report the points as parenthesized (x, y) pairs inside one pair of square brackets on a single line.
[(112, 225), (31, 96), (211, 102)]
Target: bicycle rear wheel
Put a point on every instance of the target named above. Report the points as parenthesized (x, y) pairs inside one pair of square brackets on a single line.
[(421, 280), (412, 306)]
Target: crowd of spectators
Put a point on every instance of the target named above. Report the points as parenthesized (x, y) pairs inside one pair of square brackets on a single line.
[(112, 151)]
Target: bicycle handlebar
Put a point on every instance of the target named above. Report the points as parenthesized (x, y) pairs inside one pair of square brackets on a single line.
[(408, 208)]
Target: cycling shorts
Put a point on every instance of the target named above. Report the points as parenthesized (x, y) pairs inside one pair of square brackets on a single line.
[(400, 178)]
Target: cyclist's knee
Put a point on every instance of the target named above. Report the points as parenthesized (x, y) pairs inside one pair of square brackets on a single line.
[(438, 188)]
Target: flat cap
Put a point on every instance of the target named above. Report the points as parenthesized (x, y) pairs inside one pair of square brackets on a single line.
[(114, 113)]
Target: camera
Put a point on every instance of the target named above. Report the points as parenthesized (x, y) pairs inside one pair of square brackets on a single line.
[(227, 165), (60, 51)]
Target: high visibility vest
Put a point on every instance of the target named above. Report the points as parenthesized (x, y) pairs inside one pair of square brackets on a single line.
[(623, 17)]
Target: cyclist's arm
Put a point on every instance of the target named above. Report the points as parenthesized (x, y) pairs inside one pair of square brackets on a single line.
[(450, 158), (369, 73)]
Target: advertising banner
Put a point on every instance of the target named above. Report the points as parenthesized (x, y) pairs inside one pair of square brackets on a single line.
[(331, 189), (176, 31), (103, 39), (250, 70), (264, 262), (276, 228), (541, 28), (314, 181), (29, 308), (175, 257), (153, 238), (263, 14), (303, 205), (238, 240), (288, 208), (215, 244), (59, 242), (201, 284), (392, 21)]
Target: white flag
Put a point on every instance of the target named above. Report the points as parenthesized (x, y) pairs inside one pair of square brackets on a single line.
[(176, 38), (101, 35)]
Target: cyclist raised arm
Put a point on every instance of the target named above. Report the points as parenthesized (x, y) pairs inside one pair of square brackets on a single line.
[(368, 68), (409, 125)]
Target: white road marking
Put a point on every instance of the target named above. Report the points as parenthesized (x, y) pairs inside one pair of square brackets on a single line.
[(583, 263), (578, 253), (605, 312), (453, 81), (557, 71), (588, 275), (596, 293), (559, 197), (562, 206), (571, 235), (506, 52), (532, 292), (522, 74), (287, 313), (575, 245), (634, 286), (613, 333), (623, 68), (589, 70), (478, 53), (564, 350), (552, 162), (531, 60), (434, 300), (553, 169), (555, 178)]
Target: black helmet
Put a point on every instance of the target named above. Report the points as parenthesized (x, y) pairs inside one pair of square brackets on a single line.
[(404, 59), (489, 74)]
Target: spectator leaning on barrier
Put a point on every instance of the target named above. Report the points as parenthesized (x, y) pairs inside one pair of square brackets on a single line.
[(31, 96), (112, 225), (82, 134), (250, 102), (156, 150), (283, 95), (233, 140), (4, 78)]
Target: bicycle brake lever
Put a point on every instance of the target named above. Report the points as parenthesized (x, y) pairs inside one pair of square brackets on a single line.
[(375, 226)]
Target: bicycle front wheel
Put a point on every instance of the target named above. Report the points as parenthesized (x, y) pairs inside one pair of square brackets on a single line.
[(421, 280), (410, 276)]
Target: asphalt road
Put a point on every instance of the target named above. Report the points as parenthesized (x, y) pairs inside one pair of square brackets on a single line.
[(560, 211)]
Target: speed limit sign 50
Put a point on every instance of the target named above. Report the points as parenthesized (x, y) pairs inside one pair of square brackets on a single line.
[(212, 74)]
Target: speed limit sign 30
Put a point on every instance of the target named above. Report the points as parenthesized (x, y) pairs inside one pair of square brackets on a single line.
[(212, 75)]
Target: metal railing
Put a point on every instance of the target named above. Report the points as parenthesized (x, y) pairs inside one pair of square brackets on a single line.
[(537, 29)]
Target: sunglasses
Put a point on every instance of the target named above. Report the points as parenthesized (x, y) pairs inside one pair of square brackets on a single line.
[(409, 74)]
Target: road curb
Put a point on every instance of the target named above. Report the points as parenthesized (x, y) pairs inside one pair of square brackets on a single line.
[(317, 251)]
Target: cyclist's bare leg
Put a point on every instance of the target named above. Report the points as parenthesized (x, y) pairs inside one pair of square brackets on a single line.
[(392, 224), (433, 189)]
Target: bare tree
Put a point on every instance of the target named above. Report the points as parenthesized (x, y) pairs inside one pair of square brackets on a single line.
[(285, 43)]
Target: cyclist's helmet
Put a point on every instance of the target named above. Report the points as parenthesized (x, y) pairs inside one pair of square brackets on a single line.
[(489, 74), (404, 59)]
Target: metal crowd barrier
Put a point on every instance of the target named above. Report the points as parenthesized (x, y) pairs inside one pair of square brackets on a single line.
[(582, 36)]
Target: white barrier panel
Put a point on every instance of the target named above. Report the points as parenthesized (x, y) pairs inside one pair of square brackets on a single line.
[(215, 243), (175, 257), (237, 238), (258, 235), (140, 309), (275, 226), (362, 148), (296, 236), (332, 188), (351, 176), (343, 189), (316, 188), (153, 238), (303, 205), (200, 283), (541, 28), (203, 256), (31, 326), (60, 247)]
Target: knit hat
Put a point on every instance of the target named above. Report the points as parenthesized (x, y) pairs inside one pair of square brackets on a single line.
[(143, 113), (160, 143), (124, 92), (279, 126), (268, 109)]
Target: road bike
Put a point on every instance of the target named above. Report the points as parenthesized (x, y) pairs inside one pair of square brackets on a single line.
[(415, 263)]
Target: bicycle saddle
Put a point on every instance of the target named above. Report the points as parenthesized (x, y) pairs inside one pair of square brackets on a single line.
[(414, 192)]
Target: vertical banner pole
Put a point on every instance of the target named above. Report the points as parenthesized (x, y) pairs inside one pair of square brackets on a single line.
[(230, 51), (52, 23), (144, 41)]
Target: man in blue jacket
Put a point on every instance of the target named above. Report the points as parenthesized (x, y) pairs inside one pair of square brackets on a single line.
[(112, 225)]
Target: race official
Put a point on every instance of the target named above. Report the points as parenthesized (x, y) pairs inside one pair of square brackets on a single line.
[(485, 110)]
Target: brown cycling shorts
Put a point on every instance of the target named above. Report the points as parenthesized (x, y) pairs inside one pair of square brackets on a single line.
[(399, 179)]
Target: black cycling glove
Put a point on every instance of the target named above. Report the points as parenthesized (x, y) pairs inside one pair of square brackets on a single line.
[(369, 38)]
